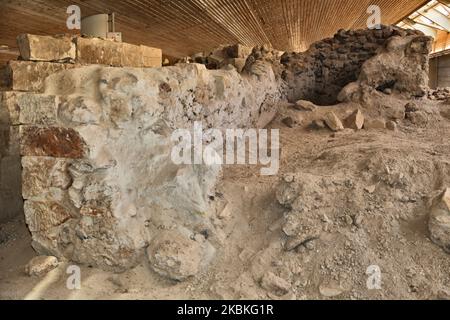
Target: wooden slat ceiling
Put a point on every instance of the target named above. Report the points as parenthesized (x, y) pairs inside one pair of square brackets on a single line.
[(182, 27)]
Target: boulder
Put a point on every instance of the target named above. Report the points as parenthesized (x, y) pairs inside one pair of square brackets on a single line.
[(275, 284), (439, 221), (41, 265), (355, 120), (333, 122), (391, 125)]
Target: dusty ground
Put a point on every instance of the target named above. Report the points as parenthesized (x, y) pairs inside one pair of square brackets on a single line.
[(362, 195)]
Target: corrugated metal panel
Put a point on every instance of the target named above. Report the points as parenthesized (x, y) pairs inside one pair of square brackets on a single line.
[(184, 27)]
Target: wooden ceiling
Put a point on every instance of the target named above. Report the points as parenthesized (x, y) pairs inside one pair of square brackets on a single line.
[(182, 27)]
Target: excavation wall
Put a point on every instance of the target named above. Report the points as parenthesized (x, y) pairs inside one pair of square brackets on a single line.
[(98, 179)]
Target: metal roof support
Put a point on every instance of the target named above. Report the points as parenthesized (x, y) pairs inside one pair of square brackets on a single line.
[(438, 18)]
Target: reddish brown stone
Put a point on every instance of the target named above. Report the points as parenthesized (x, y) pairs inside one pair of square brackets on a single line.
[(52, 142)]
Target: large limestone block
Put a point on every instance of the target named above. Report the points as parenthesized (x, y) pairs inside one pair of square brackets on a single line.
[(30, 76), (439, 223), (36, 109), (151, 57), (117, 54), (27, 108), (130, 55), (46, 48), (99, 51), (239, 51), (45, 178)]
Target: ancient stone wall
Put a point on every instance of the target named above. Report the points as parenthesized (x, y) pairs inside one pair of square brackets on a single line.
[(319, 74), (42, 56), (98, 179)]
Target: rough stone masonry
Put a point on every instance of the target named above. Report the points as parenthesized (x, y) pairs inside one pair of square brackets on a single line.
[(98, 183), (42, 56)]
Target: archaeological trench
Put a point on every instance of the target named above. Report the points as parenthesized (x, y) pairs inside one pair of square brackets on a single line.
[(364, 175)]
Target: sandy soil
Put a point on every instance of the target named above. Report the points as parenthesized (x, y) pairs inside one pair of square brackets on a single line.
[(364, 193)]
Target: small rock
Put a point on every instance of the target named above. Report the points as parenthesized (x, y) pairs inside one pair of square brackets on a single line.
[(411, 107), (355, 120), (41, 265), (388, 91), (358, 219), (439, 222), (304, 105), (318, 124), (374, 124), (333, 122), (418, 118), (175, 256), (225, 213), (288, 122), (371, 189), (391, 125), (275, 284), (330, 291)]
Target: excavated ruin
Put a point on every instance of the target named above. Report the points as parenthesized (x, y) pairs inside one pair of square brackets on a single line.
[(100, 188)]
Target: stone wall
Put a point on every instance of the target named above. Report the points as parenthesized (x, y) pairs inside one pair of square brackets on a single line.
[(98, 179), (319, 74), (42, 56)]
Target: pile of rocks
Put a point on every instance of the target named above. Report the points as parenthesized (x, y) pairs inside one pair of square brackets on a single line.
[(440, 94), (221, 57), (320, 73), (239, 56)]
